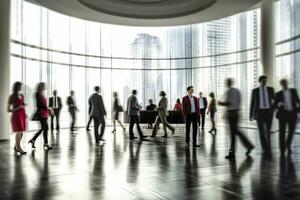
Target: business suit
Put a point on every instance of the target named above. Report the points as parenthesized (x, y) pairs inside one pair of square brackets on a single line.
[(162, 117), (56, 104), (287, 117), (263, 114), (72, 110), (201, 119), (191, 114), (98, 112), (133, 111)]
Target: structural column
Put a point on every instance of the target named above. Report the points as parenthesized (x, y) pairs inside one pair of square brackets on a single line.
[(5, 6), (267, 39)]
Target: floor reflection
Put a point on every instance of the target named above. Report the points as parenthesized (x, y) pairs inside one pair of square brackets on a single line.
[(157, 168)]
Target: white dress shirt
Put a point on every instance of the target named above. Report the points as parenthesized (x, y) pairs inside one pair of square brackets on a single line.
[(264, 91), (55, 102), (201, 103), (193, 106), (287, 100), (233, 96)]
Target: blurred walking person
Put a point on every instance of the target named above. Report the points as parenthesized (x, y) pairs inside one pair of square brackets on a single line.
[(212, 109), (117, 108)]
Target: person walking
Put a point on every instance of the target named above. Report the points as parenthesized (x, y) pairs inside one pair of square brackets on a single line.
[(133, 111), (98, 112), (232, 103), (117, 108), (163, 112), (41, 115), (212, 109)]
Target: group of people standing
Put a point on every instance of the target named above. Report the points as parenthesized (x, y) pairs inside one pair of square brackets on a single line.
[(264, 101)]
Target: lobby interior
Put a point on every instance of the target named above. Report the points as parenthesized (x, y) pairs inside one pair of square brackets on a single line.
[(149, 46)]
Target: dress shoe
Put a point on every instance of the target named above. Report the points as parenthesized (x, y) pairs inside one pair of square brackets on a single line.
[(47, 147), (230, 156), (164, 136), (249, 151), (196, 145), (143, 137), (32, 143), (132, 138), (173, 132), (101, 139)]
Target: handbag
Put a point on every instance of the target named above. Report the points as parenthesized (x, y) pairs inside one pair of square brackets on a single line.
[(36, 116), (120, 109)]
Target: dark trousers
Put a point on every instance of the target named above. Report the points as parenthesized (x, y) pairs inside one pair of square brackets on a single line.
[(44, 129), (191, 119), (286, 118), (97, 122), (134, 120), (264, 122), (212, 119), (233, 119), (56, 116), (89, 122), (73, 118), (201, 118)]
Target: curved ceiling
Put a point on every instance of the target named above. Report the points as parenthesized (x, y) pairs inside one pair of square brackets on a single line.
[(149, 12)]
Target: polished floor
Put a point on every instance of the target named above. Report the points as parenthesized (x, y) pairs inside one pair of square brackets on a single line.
[(152, 169)]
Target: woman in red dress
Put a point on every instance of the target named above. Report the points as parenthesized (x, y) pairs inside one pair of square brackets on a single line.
[(16, 106), (178, 106), (42, 110)]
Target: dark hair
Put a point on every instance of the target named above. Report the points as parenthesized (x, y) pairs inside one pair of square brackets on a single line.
[(163, 93), (134, 91), (188, 88), (16, 87), (97, 88), (212, 95), (115, 94), (283, 81), (261, 78), (40, 87), (178, 100)]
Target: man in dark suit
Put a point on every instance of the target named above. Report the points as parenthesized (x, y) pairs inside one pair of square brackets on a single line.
[(151, 107), (202, 105), (287, 102), (133, 110), (56, 105), (98, 112), (262, 110), (191, 111), (71, 102)]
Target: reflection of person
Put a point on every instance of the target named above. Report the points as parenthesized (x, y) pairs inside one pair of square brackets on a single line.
[(212, 109), (261, 109), (133, 110), (233, 102), (98, 113), (150, 107), (56, 105), (191, 110), (178, 106), (162, 116), (89, 122), (287, 101), (16, 106), (42, 111), (117, 108), (71, 102), (202, 106)]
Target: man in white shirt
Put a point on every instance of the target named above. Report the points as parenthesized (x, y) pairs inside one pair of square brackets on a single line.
[(202, 105), (56, 105), (262, 110), (233, 102), (287, 102)]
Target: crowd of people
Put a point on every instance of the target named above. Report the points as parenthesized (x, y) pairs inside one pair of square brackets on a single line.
[(264, 102)]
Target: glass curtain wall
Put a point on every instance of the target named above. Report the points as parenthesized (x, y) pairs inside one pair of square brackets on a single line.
[(73, 54)]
